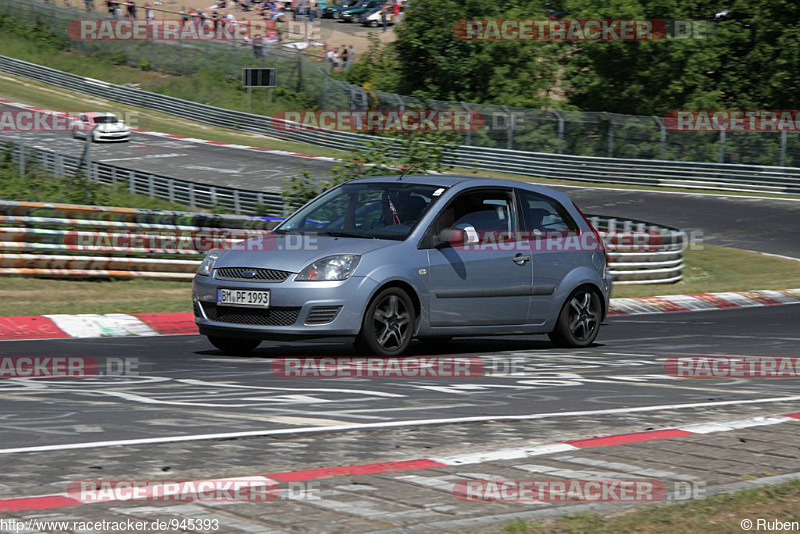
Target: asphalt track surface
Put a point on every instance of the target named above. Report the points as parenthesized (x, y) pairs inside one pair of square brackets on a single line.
[(184, 387), (195, 162), (758, 224)]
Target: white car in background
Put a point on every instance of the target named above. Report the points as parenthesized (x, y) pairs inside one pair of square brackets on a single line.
[(103, 127)]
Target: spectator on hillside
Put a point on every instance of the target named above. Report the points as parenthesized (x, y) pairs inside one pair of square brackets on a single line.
[(88, 4), (184, 17), (385, 17), (351, 55), (345, 57)]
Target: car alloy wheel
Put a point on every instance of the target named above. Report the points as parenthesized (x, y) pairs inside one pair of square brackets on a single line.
[(579, 321), (388, 323)]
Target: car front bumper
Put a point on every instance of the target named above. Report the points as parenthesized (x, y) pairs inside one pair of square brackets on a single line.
[(112, 136), (295, 308)]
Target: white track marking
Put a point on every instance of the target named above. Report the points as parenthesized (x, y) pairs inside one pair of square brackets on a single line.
[(392, 424), (109, 325)]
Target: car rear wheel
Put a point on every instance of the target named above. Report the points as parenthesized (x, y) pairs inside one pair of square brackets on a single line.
[(388, 323), (230, 345), (579, 321)]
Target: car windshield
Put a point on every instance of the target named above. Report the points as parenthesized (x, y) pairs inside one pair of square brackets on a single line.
[(106, 119), (376, 210)]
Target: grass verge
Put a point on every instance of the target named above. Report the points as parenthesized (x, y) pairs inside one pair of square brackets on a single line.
[(721, 513), (711, 269), (30, 296), (714, 269)]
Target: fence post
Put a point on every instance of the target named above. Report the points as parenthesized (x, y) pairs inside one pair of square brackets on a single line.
[(131, 182), (113, 176), (237, 202), (784, 134), (171, 190), (560, 117), (213, 191), (21, 156), (610, 137), (662, 140), (722, 146), (192, 202), (509, 128), (151, 186), (468, 133), (323, 96), (299, 72)]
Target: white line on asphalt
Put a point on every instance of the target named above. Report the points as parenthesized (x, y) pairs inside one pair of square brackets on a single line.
[(667, 192), (389, 424)]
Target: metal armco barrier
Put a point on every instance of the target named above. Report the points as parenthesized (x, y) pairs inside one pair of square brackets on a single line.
[(204, 196), (69, 241), (715, 176)]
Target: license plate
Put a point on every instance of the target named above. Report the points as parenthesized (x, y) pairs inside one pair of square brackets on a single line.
[(243, 297)]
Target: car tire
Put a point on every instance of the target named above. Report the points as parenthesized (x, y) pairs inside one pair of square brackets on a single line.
[(579, 320), (388, 325), (230, 345), (373, 24)]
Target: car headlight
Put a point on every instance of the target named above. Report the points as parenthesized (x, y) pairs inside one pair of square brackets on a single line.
[(208, 263), (337, 267)]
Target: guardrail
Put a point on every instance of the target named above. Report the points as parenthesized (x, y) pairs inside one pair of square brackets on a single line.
[(192, 194), (69, 241), (692, 175)]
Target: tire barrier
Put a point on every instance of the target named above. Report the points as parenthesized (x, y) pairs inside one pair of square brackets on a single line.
[(642, 252), (71, 241)]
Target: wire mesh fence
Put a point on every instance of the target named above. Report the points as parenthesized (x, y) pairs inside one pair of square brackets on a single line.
[(596, 134)]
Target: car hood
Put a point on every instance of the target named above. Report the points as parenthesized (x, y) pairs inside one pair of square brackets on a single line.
[(294, 252), (117, 127)]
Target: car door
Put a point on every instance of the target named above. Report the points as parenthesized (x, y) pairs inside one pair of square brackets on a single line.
[(478, 285), (554, 255)]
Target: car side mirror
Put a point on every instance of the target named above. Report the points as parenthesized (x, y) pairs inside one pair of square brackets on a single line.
[(456, 237)]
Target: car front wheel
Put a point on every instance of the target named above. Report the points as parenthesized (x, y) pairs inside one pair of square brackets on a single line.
[(388, 323), (230, 345), (579, 321)]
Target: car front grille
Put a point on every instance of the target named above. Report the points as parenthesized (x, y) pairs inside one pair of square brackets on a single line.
[(261, 275), (322, 314), (275, 316)]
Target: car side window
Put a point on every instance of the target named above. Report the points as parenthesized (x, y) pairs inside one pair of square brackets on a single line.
[(545, 214), (484, 210)]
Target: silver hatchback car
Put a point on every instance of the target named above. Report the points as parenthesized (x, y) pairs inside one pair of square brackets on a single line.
[(389, 259)]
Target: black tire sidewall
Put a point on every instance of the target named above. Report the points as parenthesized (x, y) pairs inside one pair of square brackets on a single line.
[(562, 334), (367, 339)]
